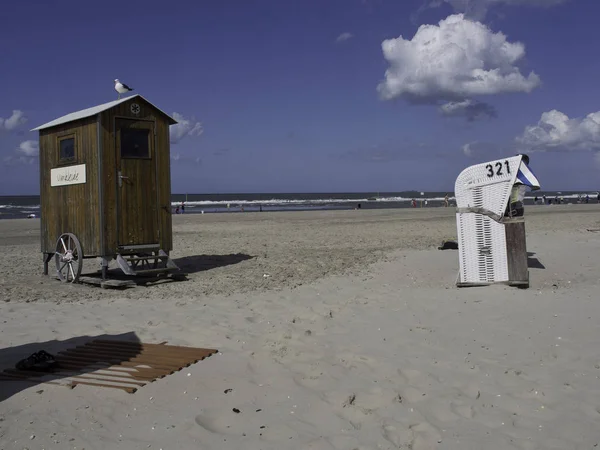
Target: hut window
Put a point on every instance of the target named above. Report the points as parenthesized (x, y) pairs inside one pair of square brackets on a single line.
[(135, 143), (66, 145)]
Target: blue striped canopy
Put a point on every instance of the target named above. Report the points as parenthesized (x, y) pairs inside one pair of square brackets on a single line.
[(527, 177)]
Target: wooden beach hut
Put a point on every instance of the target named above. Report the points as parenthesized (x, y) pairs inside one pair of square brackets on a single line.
[(105, 189)]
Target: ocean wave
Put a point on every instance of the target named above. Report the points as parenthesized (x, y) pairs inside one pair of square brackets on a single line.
[(302, 201), (594, 194), (330, 201), (19, 206)]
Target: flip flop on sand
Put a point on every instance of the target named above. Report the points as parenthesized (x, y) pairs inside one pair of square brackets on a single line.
[(449, 245), (41, 361)]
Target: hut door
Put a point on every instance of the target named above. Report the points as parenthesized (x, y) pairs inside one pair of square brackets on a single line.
[(137, 213)]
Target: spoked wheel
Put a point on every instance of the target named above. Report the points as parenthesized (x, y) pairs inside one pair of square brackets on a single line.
[(68, 258)]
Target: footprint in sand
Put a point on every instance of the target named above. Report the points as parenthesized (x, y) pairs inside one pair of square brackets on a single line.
[(374, 398), (354, 359), (410, 376), (592, 411), (310, 380), (244, 425), (345, 407), (246, 422), (471, 390), (399, 436), (442, 412), (411, 395), (419, 379), (218, 424), (418, 436), (465, 411)]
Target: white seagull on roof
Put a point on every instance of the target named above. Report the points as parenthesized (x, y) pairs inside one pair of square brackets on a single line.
[(121, 88)]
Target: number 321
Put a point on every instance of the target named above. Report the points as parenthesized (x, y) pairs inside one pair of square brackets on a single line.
[(498, 166)]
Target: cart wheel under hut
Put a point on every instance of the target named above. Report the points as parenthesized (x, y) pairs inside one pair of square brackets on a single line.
[(68, 258)]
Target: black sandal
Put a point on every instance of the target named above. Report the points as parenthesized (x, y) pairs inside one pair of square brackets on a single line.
[(41, 361)]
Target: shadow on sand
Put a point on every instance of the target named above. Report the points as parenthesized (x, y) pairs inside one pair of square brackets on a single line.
[(116, 279), (534, 263), (199, 263), (66, 368)]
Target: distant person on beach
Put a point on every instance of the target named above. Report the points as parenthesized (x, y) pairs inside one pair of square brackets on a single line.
[(446, 200), (177, 210), (182, 207)]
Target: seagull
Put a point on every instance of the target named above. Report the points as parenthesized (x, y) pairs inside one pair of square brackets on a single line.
[(121, 88)]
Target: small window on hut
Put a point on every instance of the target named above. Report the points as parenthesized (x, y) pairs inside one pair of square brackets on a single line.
[(135, 143), (66, 148)]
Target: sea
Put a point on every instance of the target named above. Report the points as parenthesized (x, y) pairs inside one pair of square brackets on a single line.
[(28, 206)]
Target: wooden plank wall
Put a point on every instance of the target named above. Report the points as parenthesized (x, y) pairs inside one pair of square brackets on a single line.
[(516, 249), (147, 112), (138, 207), (109, 183), (164, 183), (74, 208)]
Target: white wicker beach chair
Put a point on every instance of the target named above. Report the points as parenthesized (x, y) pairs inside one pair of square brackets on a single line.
[(482, 195)]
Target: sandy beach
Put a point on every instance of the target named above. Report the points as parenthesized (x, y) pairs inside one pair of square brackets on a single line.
[(335, 330)]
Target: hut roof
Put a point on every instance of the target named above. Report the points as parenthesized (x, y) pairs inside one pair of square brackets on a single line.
[(96, 110)]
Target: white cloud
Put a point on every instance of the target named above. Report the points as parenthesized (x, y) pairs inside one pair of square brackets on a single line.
[(468, 150), (184, 127), (453, 61), (478, 8), (16, 119), (177, 157), (27, 153), (16, 160), (344, 37), (555, 131), (470, 109), (478, 149), (29, 148)]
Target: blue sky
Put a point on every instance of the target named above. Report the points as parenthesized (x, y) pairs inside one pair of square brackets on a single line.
[(316, 95)]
